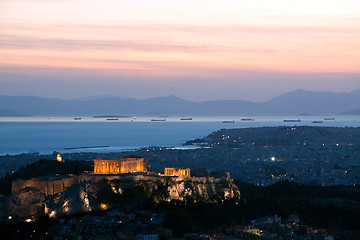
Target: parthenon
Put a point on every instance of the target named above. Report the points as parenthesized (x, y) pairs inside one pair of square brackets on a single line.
[(119, 165)]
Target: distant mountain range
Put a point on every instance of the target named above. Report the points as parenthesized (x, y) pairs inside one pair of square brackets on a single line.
[(296, 102)]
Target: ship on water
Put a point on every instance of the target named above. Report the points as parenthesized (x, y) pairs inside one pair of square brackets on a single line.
[(77, 118), (329, 118), (158, 119), (292, 120), (112, 119), (228, 121), (186, 118), (317, 122), (247, 119)]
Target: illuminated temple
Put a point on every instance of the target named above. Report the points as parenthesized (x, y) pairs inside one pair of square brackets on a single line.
[(119, 165), (177, 171)]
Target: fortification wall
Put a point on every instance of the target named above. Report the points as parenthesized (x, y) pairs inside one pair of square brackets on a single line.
[(45, 186)]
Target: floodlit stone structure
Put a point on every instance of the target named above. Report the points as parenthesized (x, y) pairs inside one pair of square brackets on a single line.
[(119, 165), (47, 185), (59, 158), (177, 172), (66, 194)]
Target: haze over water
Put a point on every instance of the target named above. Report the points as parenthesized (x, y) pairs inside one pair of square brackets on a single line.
[(44, 135)]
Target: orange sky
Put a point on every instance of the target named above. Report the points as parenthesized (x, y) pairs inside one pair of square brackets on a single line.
[(172, 40)]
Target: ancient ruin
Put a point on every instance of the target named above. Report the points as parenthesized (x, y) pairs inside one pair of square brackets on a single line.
[(119, 165), (177, 172)]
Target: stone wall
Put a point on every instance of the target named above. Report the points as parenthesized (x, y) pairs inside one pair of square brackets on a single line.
[(47, 186)]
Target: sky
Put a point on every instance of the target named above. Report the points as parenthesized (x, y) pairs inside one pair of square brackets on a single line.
[(198, 50)]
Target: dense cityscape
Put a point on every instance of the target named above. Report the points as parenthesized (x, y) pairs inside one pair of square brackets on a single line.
[(267, 182), (310, 155)]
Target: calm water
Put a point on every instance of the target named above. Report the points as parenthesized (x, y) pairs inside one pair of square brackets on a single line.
[(45, 135)]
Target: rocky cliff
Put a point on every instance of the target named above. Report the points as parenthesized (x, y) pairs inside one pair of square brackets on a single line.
[(94, 192)]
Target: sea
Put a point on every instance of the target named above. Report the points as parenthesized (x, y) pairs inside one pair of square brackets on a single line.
[(45, 135)]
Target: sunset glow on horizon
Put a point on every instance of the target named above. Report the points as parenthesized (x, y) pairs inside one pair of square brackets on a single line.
[(172, 41)]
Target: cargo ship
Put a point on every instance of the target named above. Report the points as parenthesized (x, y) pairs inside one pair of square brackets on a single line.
[(228, 121), (112, 119), (292, 120), (317, 122), (158, 119), (77, 118), (247, 119), (186, 118)]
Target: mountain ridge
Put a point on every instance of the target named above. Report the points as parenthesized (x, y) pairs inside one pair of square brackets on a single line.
[(295, 102)]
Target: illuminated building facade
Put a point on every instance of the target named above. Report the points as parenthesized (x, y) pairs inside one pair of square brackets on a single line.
[(119, 165), (177, 171), (59, 158)]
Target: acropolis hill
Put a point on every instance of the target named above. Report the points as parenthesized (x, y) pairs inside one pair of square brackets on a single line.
[(134, 167), (84, 193)]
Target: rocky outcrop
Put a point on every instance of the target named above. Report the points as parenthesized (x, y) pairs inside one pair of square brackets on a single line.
[(73, 200), (95, 192), (26, 202), (201, 188)]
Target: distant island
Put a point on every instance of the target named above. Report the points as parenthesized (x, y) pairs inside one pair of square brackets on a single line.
[(292, 103), (110, 116), (306, 114), (352, 112)]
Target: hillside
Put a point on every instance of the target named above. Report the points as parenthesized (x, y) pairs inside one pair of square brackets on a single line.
[(44, 168), (296, 102)]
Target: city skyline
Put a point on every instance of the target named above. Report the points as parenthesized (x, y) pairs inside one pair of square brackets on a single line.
[(195, 50)]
